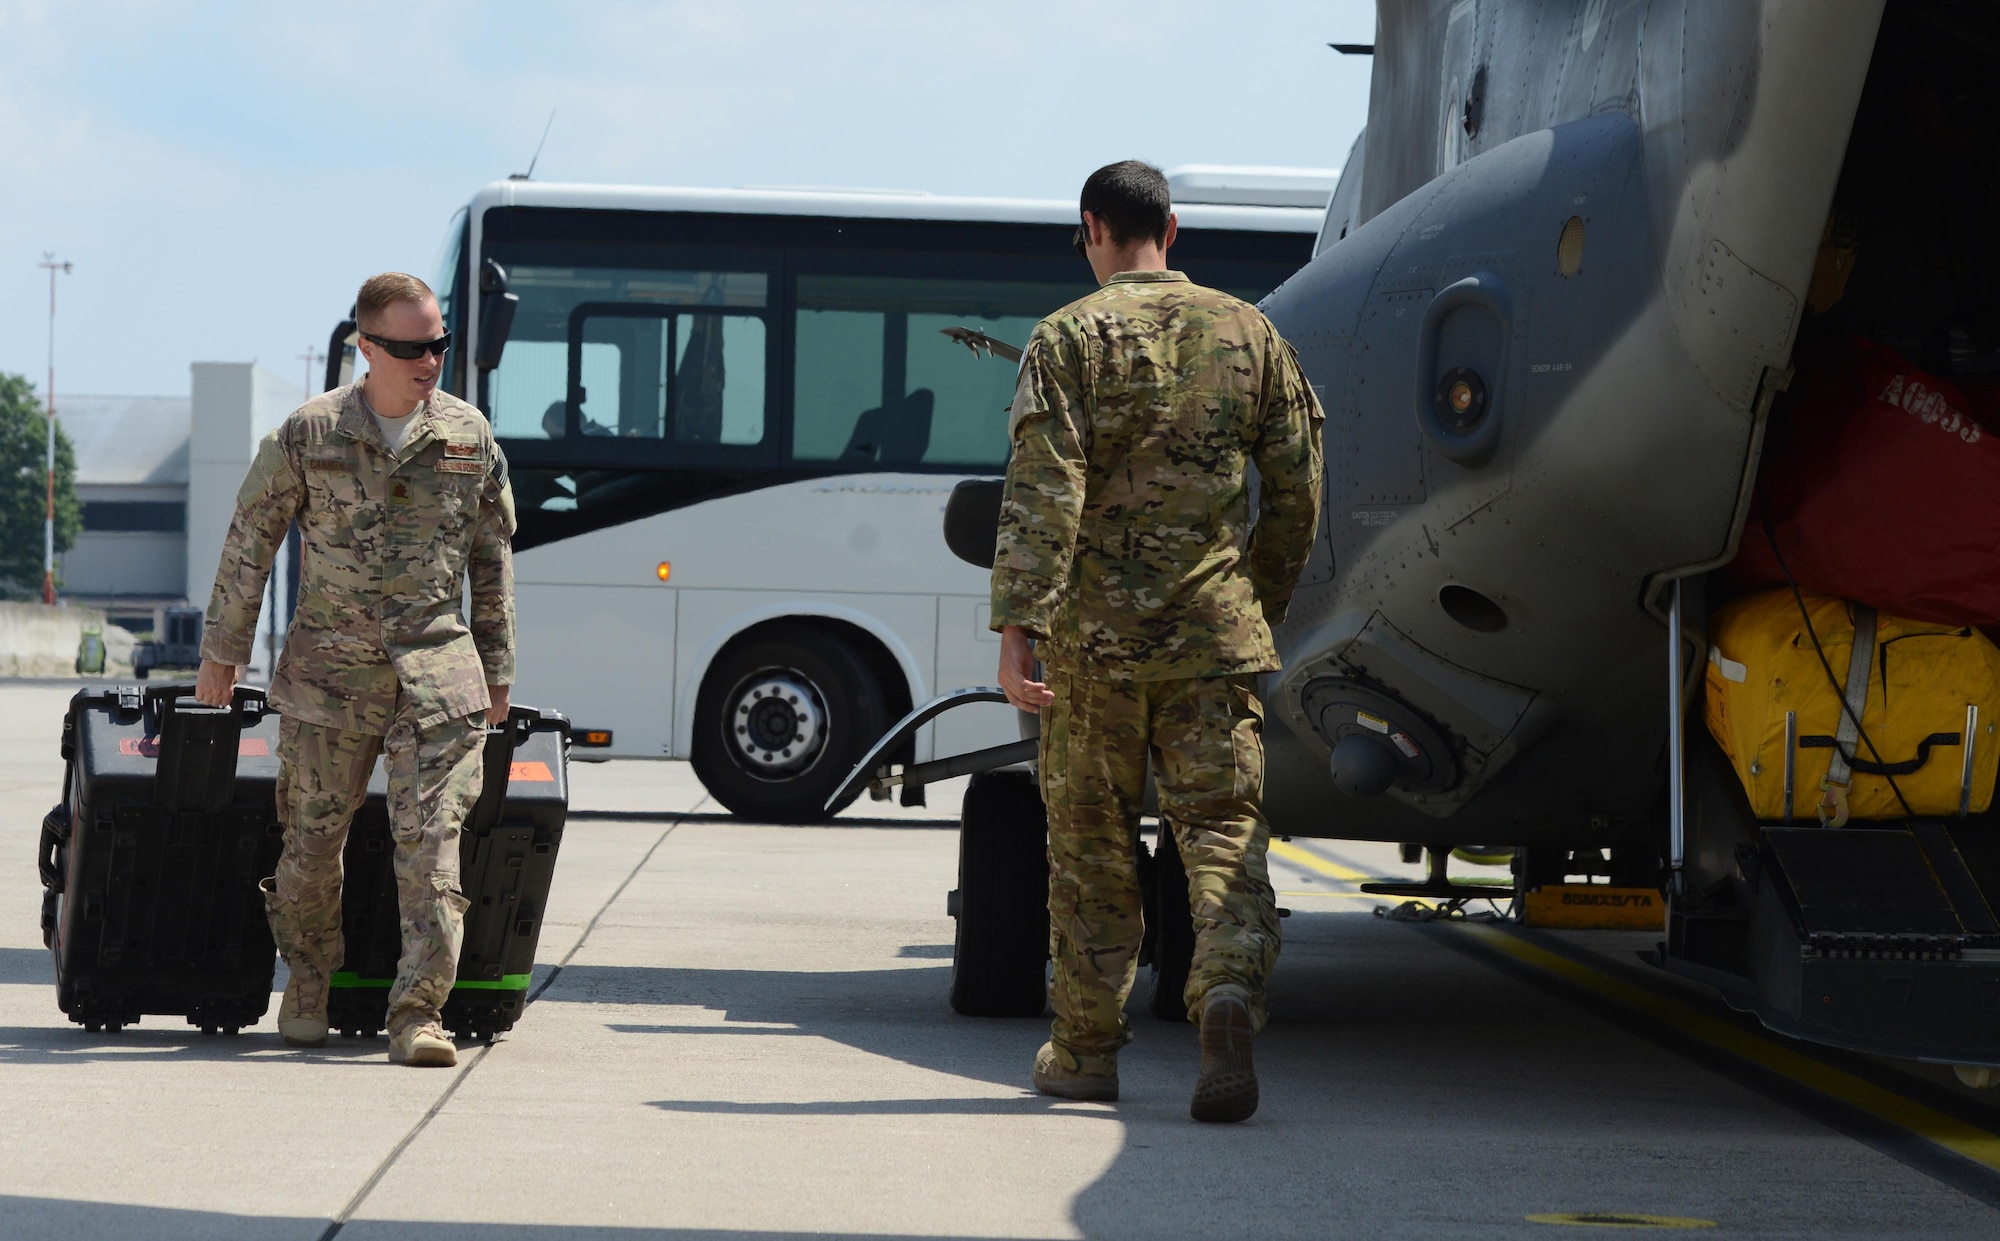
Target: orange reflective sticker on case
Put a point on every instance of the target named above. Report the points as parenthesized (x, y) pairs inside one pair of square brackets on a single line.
[(530, 771)]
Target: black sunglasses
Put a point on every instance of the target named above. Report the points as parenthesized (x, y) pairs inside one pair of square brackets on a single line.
[(1082, 235), (410, 350)]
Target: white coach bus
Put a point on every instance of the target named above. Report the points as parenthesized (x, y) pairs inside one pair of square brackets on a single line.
[(733, 419)]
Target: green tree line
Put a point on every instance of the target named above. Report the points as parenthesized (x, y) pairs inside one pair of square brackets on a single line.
[(24, 430)]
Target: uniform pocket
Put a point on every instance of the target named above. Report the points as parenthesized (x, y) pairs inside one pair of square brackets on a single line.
[(1246, 737), (446, 888)]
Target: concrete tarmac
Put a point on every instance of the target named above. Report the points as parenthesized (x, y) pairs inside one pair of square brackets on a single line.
[(741, 1030)]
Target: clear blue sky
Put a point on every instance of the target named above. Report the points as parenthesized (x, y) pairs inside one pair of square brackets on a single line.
[(224, 174)]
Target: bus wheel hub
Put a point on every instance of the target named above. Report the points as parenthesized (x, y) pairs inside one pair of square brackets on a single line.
[(778, 723)]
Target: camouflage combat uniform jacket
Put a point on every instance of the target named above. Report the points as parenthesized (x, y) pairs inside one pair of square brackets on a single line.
[(386, 543), (1126, 544)]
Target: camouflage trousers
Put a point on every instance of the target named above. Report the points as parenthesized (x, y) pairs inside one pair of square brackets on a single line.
[(1204, 739), (434, 777)]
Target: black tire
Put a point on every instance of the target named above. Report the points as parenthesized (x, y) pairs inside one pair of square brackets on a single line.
[(1000, 953), (1172, 931), (809, 677)]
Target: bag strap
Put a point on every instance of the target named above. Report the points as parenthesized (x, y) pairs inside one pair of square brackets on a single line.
[(1832, 806), (1860, 661)]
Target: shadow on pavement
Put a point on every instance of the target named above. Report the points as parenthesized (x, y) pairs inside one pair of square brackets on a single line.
[(56, 1045), (901, 1014), (717, 817), (24, 1217), (1026, 1103)]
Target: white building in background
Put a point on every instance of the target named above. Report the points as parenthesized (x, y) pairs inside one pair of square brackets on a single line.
[(132, 477), (234, 405), (157, 476)]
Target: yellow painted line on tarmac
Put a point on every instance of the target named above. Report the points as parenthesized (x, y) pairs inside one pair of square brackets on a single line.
[(1955, 1135), (1314, 862)]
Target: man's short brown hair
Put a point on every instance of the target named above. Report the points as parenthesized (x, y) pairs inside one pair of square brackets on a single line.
[(1132, 199), (379, 292)]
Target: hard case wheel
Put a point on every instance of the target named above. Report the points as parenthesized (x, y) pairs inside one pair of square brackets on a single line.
[(782, 719), (1000, 953)]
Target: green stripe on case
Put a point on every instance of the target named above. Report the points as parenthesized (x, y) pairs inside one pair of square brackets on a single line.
[(506, 982)]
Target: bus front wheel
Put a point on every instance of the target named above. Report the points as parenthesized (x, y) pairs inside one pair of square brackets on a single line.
[(782, 719)]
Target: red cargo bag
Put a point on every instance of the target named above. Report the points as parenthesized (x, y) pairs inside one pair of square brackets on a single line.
[(1881, 484)]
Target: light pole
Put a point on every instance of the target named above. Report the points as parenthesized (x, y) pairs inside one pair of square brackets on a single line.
[(49, 527), (311, 359)]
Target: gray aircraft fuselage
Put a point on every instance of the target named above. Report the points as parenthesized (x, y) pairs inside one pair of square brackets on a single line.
[(1558, 289)]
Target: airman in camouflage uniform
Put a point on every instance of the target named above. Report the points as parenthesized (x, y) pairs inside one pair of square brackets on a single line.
[(1127, 551), (378, 662)]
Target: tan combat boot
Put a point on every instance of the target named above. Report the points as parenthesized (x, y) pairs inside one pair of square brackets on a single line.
[(302, 1013), (1226, 1091), (424, 1046), (1053, 1076)]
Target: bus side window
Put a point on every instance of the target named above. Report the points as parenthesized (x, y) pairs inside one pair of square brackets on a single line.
[(838, 379), (877, 383), (717, 381), (693, 377)]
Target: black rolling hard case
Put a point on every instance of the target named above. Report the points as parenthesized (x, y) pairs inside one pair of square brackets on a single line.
[(150, 865), (507, 858)]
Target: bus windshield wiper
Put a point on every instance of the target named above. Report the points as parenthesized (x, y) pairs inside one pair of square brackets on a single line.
[(980, 343)]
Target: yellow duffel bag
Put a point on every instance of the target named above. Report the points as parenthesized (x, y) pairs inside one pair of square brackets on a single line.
[(1916, 688)]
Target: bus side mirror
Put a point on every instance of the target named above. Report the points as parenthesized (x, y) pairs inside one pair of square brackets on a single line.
[(496, 314), (340, 353), (972, 520)]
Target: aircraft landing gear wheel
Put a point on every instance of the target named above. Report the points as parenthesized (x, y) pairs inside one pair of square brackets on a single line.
[(1000, 953), (1173, 938), (780, 722)]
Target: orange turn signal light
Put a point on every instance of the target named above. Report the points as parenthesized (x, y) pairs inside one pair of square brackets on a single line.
[(593, 737), (666, 570)]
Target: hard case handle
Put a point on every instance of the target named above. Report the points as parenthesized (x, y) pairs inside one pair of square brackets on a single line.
[(55, 835), (497, 762), (247, 702)]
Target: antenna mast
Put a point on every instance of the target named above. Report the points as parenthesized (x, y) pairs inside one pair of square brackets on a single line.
[(530, 174)]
